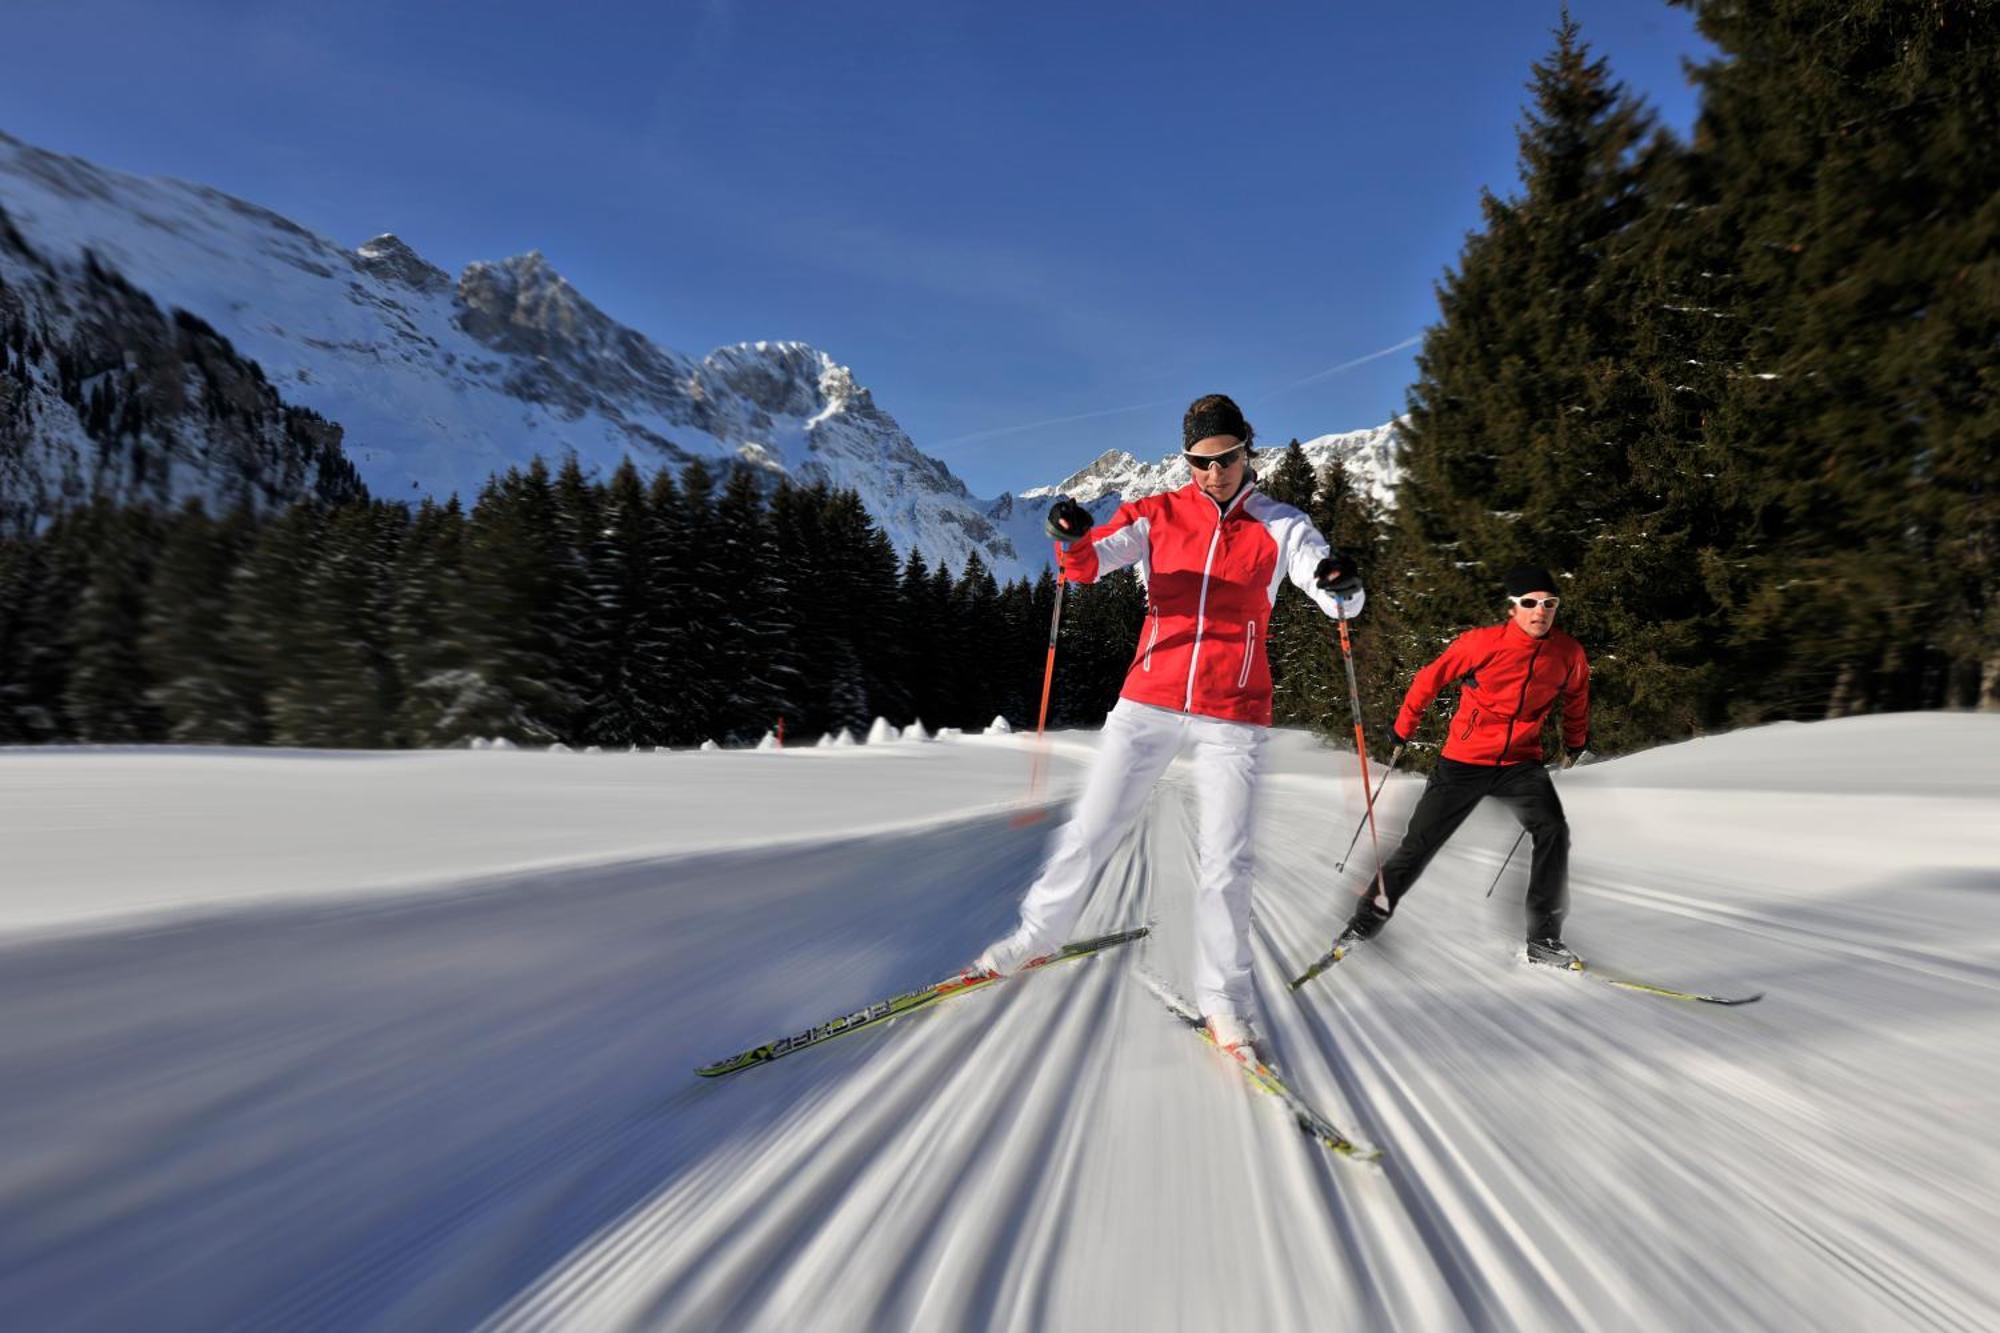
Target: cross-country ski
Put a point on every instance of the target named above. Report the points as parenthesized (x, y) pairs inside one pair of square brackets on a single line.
[(896, 1006), (1262, 1075)]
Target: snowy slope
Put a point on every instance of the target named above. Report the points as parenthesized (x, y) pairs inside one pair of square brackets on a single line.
[(263, 1073)]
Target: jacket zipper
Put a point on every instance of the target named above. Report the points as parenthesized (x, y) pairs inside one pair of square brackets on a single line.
[(1521, 702), (1201, 607), (1249, 653)]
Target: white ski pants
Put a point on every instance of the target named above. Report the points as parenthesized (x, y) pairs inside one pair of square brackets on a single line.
[(1139, 741)]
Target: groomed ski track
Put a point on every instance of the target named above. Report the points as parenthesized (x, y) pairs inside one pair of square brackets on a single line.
[(467, 1102)]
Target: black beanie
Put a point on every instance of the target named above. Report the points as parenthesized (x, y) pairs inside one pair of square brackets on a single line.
[(1214, 414), (1524, 579)]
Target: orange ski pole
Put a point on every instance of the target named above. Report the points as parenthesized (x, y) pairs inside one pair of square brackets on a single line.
[(1361, 749)]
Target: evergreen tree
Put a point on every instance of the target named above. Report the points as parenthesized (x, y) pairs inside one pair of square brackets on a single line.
[(106, 694), (755, 666), (976, 655), (346, 691), (705, 629), (1291, 480), (939, 619), (41, 579), (515, 604), (585, 629), (1517, 443), (926, 674), (1847, 175), (186, 642), (863, 571), (679, 701), (427, 635), (623, 635)]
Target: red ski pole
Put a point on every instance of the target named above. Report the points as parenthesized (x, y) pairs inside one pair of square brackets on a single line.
[(1042, 718)]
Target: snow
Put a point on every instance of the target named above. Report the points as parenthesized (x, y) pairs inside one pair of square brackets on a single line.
[(1369, 457), (301, 1039)]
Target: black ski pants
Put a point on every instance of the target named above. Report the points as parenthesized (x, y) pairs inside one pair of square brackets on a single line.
[(1448, 799)]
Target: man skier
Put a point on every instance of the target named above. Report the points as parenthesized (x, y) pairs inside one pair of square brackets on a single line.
[(1211, 556), (1512, 674)]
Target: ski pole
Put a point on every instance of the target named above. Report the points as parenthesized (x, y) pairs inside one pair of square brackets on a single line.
[(1504, 864), (1517, 843), (1049, 670), (1395, 757), (1042, 718), (1361, 750)]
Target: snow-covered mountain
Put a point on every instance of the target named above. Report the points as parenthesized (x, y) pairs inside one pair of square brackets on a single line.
[(441, 382), (436, 383), (1369, 457), (105, 395)]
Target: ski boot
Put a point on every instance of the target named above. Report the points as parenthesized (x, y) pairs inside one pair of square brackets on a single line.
[(1552, 952), (1005, 957), (1238, 1037)]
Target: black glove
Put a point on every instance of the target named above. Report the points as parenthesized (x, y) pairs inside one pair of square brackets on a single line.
[(1338, 574), (1068, 521), (1397, 736)]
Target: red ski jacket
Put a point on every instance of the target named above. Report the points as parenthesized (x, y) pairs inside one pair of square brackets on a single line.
[(1511, 680), (1211, 576)]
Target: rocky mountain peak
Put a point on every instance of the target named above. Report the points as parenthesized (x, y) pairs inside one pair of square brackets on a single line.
[(777, 377), (523, 305), (1111, 472), (389, 258)]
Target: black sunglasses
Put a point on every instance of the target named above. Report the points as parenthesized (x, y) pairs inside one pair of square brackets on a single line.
[(1203, 462)]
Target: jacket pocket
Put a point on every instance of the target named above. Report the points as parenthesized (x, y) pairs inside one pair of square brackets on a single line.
[(1249, 653), (1471, 721), (1152, 637)]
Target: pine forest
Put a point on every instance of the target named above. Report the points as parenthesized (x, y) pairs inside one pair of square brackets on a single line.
[(1740, 391)]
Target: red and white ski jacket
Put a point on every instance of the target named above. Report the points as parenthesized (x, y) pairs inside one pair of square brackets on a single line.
[(1511, 680), (1211, 576)]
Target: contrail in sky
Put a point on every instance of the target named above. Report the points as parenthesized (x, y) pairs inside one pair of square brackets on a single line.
[(1313, 378), (1052, 421), (1331, 371)]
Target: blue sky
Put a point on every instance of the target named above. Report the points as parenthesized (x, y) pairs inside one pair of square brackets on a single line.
[(1035, 231)]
